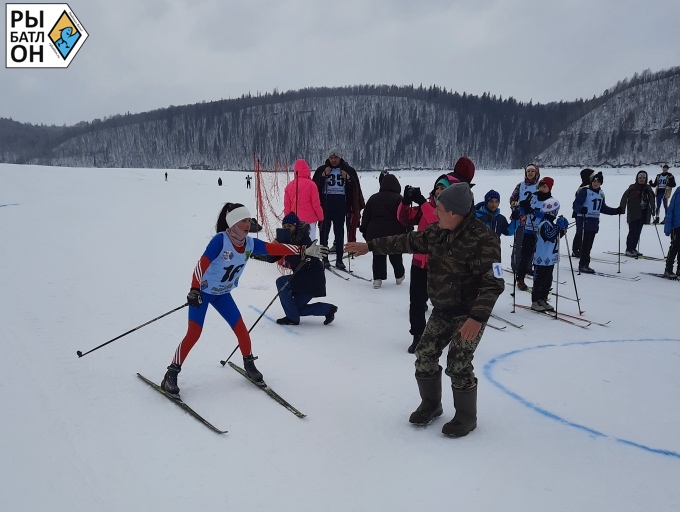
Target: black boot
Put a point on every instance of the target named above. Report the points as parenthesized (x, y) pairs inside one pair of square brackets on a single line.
[(412, 348), (430, 407), (331, 315), (465, 420), (253, 373), (169, 383)]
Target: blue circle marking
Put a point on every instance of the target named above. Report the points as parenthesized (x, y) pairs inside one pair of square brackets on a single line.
[(489, 367)]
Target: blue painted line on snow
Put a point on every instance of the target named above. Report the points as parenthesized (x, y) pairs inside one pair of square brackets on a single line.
[(488, 368), (286, 327), (11, 204)]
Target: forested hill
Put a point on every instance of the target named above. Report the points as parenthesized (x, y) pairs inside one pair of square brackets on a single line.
[(634, 122)]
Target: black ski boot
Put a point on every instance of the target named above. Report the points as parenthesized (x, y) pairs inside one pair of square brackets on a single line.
[(412, 348), (331, 315), (465, 419), (169, 383), (253, 373), (430, 407), (286, 321)]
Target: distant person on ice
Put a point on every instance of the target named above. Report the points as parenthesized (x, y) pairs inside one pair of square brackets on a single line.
[(216, 275), (465, 279), (301, 197), (166, 176), (248, 178)]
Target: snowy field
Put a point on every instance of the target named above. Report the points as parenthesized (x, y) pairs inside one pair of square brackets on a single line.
[(570, 419)]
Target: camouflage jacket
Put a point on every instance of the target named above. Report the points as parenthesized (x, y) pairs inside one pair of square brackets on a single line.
[(460, 279)]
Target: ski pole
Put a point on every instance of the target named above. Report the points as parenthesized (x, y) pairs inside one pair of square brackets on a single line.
[(619, 251), (571, 266), (81, 354), (656, 226), (302, 262), (557, 286)]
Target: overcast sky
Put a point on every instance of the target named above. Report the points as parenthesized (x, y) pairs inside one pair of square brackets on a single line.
[(143, 55)]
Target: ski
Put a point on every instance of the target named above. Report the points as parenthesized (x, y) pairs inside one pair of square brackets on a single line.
[(599, 260), (641, 257), (662, 276), (500, 318), (556, 316), (336, 273), (273, 394), (530, 289), (582, 319), (182, 404), (498, 328), (351, 273), (612, 276)]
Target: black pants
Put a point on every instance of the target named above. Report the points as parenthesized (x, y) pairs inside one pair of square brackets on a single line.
[(380, 265), (526, 254), (586, 247), (674, 251), (418, 300), (634, 232), (543, 276), (335, 216)]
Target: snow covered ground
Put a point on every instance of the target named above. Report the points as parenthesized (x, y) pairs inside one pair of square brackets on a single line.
[(569, 418)]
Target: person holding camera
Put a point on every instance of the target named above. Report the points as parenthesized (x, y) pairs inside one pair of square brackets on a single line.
[(422, 216), (380, 219)]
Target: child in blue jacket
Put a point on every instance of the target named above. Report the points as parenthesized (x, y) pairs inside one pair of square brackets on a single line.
[(490, 214)]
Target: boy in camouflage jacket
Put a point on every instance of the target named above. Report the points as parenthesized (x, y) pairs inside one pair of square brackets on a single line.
[(463, 288)]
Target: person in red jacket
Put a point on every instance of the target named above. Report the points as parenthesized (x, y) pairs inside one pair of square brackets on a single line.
[(301, 197), (422, 216)]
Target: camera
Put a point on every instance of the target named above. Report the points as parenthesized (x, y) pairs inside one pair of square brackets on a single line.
[(411, 192)]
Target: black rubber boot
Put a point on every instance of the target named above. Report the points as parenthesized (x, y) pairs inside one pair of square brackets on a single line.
[(253, 373), (430, 407), (465, 419), (169, 383), (412, 348)]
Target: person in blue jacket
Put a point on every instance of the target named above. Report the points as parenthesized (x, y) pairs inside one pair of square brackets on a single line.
[(490, 214), (308, 281), (672, 228), (588, 205)]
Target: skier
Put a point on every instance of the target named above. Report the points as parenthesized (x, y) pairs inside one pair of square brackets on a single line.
[(216, 275), (301, 197), (547, 253), (525, 234), (380, 219), (664, 183), (490, 214), (309, 281), (464, 281), (341, 200), (578, 236), (588, 205), (672, 228), (638, 200)]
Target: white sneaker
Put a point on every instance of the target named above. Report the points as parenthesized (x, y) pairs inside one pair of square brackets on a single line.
[(377, 283), (401, 279)]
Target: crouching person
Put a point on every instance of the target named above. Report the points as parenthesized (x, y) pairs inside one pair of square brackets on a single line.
[(463, 282)]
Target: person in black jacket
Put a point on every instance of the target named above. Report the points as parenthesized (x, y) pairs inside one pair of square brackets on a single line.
[(309, 281), (341, 200), (380, 219)]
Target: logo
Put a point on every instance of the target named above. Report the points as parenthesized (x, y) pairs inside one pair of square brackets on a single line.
[(42, 35), (227, 255)]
